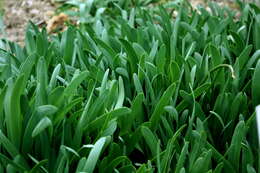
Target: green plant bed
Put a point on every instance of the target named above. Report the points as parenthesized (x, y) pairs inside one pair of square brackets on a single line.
[(134, 90)]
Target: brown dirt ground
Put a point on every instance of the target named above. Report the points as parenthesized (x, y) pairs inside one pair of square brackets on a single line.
[(17, 13)]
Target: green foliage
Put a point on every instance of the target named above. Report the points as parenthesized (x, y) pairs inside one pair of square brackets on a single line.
[(133, 89)]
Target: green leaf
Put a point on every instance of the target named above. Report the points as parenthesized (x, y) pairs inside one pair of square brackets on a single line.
[(256, 85), (62, 113), (215, 153), (219, 168), (2, 98), (159, 109), (174, 71), (236, 144), (121, 95), (72, 87), (132, 56), (250, 169), (29, 41), (202, 163), (17, 167), (107, 50), (104, 82), (182, 157), (136, 114), (41, 126), (117, 161), (12, 108), (166, 160), (42, 79), (54, 75), (256, 34), (197, 92), (244, 56), (94, 155), (27, 65), (46, 110), (56, 96), (38, 166), (150, 139), (98, 122), (7, 144), (67, 45), (137, 83), (81, 164)]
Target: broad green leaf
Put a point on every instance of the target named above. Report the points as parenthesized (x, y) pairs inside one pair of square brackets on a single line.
[(202, 163), (7, 144), (97, 123), (182, 157), (41, 126), (236, 144), (104, 82), (109, 52), (54, 75), (38, 166), (159, 109), (56, 96), (256, 35), (81, 164), (94, 155), (17, 167), (174, 71), (13, 116), (27, 65), (117, 161), (62, 113), (121, 94), (166, 160), (42, 79), (197, 92), (150, 139), (215, 153), (136, 114), (137, 84), (250, 169), (132, 56), (243, 57), (219, 167), (67, 45), (256, 85), (71, 88), (2, 98), (46, 110)]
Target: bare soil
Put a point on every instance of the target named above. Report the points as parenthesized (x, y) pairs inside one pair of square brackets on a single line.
[(17, 14)]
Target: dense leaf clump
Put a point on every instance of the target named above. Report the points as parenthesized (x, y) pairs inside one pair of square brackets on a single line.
[(134, 89)]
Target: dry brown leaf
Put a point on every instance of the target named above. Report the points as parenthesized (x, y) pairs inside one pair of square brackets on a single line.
[(57, 23)]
